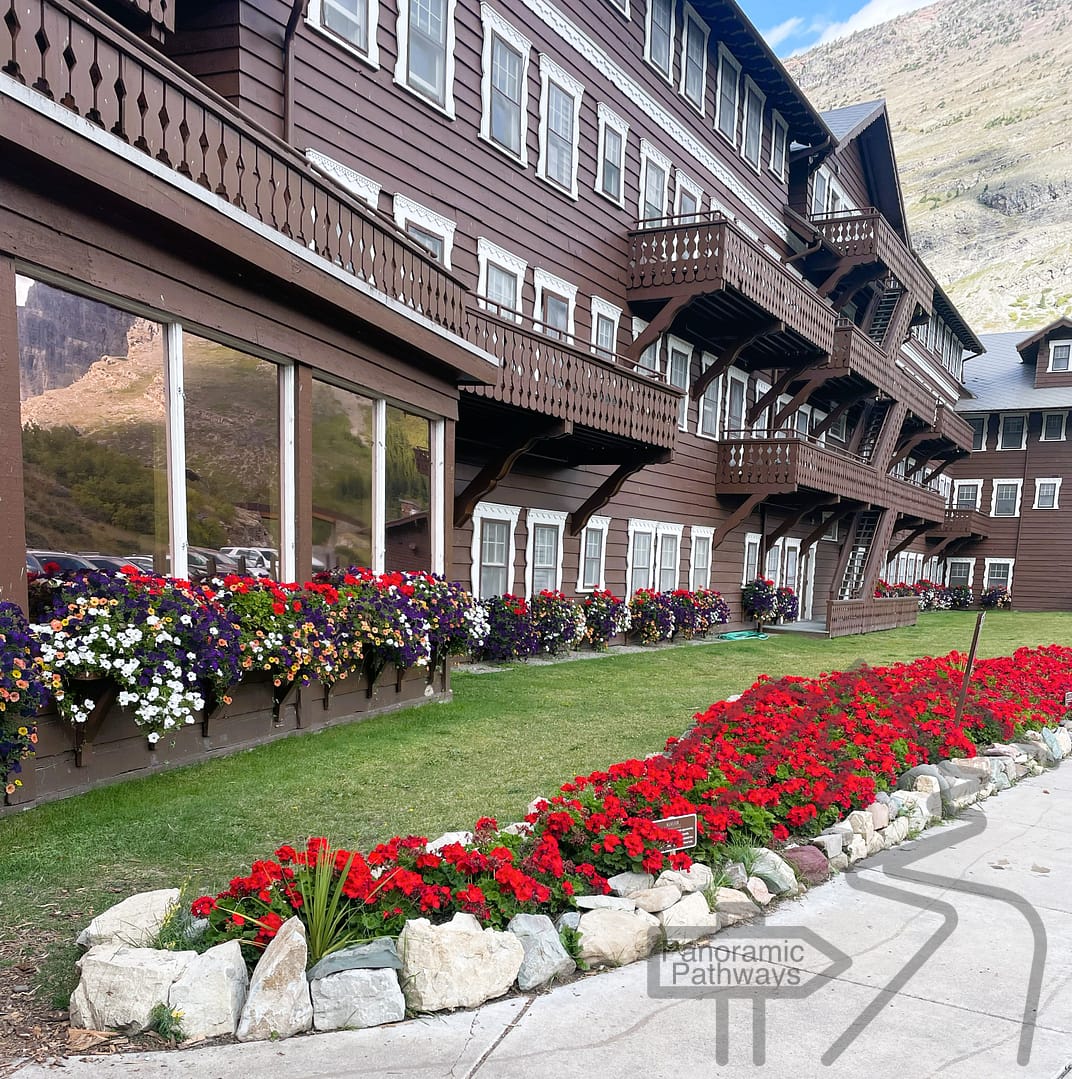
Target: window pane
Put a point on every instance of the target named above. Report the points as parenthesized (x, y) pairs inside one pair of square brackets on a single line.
[(709, 410), (501, 287), (494, 550), (605, 334), (432, 243), (505, 95), (555, 314), (593, 552), (679, 377), (408, 495), (694, 62), (735, 409), (641, 561), (688, 204), (654, 191), (701, 561), (959, 574), (1012, 432), (997, 574), (754, 126), (727, 99), (559, 135), (232, 447), (661, 17), (978, 426), (1053, 429), (93, 440), (544, 557), (1005, 499), (968, 496), (342, 477), (1047, 495), (428, 46), (612, 163), (348, 19), (668, 546), (1060, 357), (751, 560)]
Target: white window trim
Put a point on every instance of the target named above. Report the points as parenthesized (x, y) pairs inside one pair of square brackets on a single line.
[(608, 310), (665, 529), (1064, 425), (700, 532), (683, 182), (548, 282), (761, 424), (608, 118), (1001, 432), (817, 417), (977, 484), (1018, 481), (1056, 494), (493, 511), (639, 326), (668, 75), (988, 562), (622, 8), (750, 85), (725, 54), (402, 63), (552, 72), (488, 252), (604, 524), (750, 537), (314, 19), (406, 210), (734, 374), (1049, 363), (638, 525), (361, 187), (986, 425), (778, 123), (649, 154), (710, 398), (690, 15), (680, 345), (971, 570), (494, 24), (544, 517)]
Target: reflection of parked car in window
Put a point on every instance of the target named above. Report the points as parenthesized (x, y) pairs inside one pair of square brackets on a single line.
[(108, 563), (260, 561), (33, 566), (205, 562), (64, 559)]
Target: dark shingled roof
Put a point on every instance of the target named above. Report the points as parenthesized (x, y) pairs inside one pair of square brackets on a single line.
[(850, 120), (1000, 381)]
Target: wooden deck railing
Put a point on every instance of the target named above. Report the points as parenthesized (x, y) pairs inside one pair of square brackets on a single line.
[(963, 522), (949, 425), (555, 376), (779, 463), (704, 253), (848, 616), (866, 233)]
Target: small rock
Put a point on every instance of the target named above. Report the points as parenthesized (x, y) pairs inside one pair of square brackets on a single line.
[(857, 849), (876, 844), (278, 1002), (356, 998), (624, 884), (733, 905), (735, 873), (689, 919), (448, 838), (830, 843), (610, 902), (571, 919), (616, 937), (656, 899), (758, 890), (378, 954), (809, 862), (928, 785), (840, 862), (862, 823), (135, 921), (775, 872), (545, 958), (698, 878), (880, 814)]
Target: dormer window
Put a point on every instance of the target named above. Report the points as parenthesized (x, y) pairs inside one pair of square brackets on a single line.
[(1059, 355)]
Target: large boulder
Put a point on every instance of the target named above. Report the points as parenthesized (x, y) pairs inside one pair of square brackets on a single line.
[(456, 965), (624, 884), (656, 899), (733, 906), (211, 991), (120, 985), (278, 1003), (545, 957), (809, 862), (775, 872), (356, 998), (689, 919), (612, 938), (697, 878), (135, 921)]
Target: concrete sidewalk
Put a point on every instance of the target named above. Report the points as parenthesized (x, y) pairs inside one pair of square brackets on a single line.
[(960, 1014)]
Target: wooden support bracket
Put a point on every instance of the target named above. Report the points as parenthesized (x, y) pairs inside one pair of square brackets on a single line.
[(838, 411), (728, 357), (907, 445), (940, 469), (821, 530), (743, 512), (912, 536), (791, 521), (103, 692), (658, 326), (580, 517), (770, 396), (801, 396)]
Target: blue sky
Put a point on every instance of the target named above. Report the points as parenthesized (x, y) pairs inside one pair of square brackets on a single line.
[(794, 25)]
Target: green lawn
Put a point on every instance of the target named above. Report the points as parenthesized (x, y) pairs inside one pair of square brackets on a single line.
[(505, 738)]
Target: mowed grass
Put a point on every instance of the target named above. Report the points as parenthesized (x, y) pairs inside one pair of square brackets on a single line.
[(506, 737)]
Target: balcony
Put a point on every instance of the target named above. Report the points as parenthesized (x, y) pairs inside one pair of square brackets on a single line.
[(864, 236), (772, 465), (963, 524), (705, 254), (953, 428)]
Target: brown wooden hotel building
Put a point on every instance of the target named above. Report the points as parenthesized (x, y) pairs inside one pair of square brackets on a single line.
[(535, 294)]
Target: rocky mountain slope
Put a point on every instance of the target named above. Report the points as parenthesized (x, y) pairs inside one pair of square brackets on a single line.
[(981, 108)]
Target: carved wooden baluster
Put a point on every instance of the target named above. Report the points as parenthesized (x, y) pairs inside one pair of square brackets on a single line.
[(240, 195), (301, 208), (227, 151)]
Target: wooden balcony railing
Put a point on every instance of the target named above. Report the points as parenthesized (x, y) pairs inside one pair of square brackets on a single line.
[(953, 427), (866, 234), (781, 462), (964, 522), (705, 252), (546, 371), (70, 52)]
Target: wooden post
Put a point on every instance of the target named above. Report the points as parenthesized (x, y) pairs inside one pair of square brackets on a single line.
[(968, 669), (12, 495)]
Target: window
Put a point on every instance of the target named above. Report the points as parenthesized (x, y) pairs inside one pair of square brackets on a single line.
[(694, 59), (504, 89), (500, 279), (966, 494), (425, 64), (654, 182), (543, 554), (819, 187), (620, 5), (351, 23), (707, 421), (689, 198), (729, 76), (492, 549), (649, 358), (639, 568), (1012, 431), (998, 572), (1053, 426), (610, 168), (560, 107), (750, 563), (1006, 500), (960, 572), (735, 394), (555, 301), (700, 564), (605, 320), (839, 429), (660, 35), (669, 556), (978, 426), (752, 143), (1047, 493), (779, 145), (591, 571), (432, 231), (1059, 356), (761, 422), (678, 375)]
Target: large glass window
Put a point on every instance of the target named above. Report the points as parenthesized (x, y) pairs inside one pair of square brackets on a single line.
[(660, 33), (560, 107), (978, 426), (348, 19), (506, 73), (544, 558), (494, 551), (94, 429), (408, 491), (231, 419), (1011, 435), (729, 75), (428, 48)]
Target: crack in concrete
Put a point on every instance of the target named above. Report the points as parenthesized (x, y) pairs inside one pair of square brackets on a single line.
[(499, 1040)]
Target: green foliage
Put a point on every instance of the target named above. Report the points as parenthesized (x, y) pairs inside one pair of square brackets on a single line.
[(571, 941), (167, 1022)]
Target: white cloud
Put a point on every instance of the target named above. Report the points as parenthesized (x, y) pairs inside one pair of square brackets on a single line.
[(777, 34), (871, 14)]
